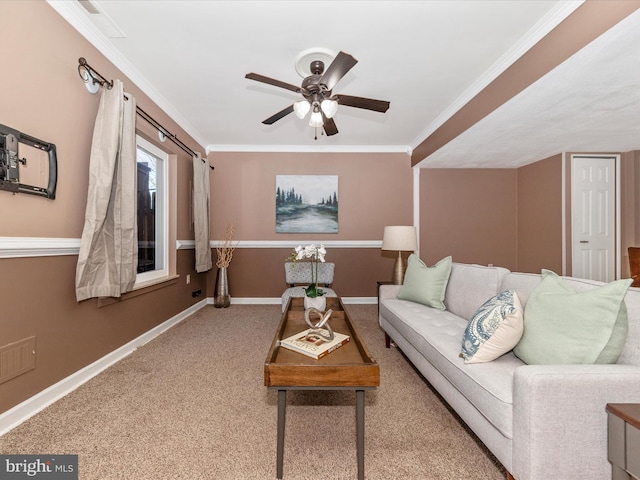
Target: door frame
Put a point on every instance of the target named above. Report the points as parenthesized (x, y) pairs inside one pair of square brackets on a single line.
[(567, 199)]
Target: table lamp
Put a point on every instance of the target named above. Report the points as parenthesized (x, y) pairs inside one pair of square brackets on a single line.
[(402, 239)]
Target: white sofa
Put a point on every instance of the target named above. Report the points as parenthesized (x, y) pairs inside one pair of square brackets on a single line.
[(540, 421)]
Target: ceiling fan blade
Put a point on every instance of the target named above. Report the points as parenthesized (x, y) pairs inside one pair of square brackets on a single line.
[(282, 113), (329, 126), (361, 102), (276, 83), (338, 69)]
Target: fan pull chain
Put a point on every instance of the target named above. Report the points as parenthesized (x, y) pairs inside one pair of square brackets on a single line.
[(315, 132)]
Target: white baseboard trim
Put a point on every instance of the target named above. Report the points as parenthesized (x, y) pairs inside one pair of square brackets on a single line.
[(278, 301), (360, 300), (254, 301), (25, 410)]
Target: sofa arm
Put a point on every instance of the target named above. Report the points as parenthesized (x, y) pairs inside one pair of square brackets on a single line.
[(388, 291), (559, 418)]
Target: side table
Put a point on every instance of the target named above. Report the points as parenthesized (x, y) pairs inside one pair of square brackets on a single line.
[(624, 440)]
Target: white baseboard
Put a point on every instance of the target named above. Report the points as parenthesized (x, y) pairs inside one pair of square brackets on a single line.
[(25, 410), (360, 300), (253, 301), (278, 301)]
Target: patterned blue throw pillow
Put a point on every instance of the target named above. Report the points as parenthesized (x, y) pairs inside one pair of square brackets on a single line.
[(494, 329)]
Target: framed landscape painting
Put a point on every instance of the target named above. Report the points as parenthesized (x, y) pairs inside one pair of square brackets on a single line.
[(306, 204)]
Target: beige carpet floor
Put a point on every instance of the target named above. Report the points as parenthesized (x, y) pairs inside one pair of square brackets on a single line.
[(191, 404)]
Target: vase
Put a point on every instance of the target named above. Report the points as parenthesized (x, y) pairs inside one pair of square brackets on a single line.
[(319, 302), (221, 297)]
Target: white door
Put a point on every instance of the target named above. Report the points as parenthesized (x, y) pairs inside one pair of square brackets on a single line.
[(593, 217)]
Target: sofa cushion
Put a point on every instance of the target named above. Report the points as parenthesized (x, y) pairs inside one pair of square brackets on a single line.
[(494, 329), (426, 285), (522, 283), (470, 286), (436, 335), (563, 326), (631, 353)]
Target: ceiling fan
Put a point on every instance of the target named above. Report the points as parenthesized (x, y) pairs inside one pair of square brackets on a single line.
[(317, 92)]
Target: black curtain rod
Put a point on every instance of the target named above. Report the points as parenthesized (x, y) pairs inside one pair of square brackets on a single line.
[(96, 77)]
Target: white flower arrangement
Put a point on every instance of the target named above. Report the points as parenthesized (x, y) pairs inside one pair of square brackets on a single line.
[(315, 254)]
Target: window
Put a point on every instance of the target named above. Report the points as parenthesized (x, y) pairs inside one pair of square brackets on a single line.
[(152, 188)]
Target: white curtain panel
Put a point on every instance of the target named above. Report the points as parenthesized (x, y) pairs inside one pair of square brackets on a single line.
[(108, 258), (201, 219)]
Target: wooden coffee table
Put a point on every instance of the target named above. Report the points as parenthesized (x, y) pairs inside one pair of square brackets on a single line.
[(350, 367)]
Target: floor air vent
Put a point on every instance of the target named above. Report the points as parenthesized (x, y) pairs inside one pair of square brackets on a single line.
[(17, 358)]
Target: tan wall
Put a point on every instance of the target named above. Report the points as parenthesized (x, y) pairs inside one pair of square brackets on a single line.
[(43, 96), (540, 216), (506, 217), (374, 190), (470, 214)]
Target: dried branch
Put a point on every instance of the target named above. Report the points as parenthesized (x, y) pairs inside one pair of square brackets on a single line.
[(226, 247)]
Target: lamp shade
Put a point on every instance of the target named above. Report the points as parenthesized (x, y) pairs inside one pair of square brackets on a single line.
[(316, 120), (301, 108), (400, 238), (329, 107)]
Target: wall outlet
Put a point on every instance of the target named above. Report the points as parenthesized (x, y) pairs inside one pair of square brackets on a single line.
[(188, 279)]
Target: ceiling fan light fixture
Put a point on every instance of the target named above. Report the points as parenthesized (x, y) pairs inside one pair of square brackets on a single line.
[(316, 119), (316, 89), (329, 107), (301, 108)]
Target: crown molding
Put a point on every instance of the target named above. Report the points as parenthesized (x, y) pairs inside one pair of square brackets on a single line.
[(311, 148), (75, 15)]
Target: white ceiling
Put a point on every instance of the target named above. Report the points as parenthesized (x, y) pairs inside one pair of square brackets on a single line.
[(426, 57)]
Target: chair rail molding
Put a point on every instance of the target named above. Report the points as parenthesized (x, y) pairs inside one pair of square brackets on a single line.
[(189, 244), (18, 247)]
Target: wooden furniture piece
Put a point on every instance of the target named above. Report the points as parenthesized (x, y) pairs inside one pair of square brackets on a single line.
[(350, 367), (624, 440), (634, 265)]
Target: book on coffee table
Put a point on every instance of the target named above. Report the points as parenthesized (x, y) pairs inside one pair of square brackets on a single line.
[(314, 345)]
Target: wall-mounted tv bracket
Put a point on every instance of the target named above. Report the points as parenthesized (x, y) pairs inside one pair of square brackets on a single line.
[(10, 162)]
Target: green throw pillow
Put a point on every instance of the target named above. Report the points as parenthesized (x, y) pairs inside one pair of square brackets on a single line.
[(562, 326), (426, 285)]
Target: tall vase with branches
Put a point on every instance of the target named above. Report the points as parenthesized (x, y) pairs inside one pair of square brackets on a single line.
[(224, 251)]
